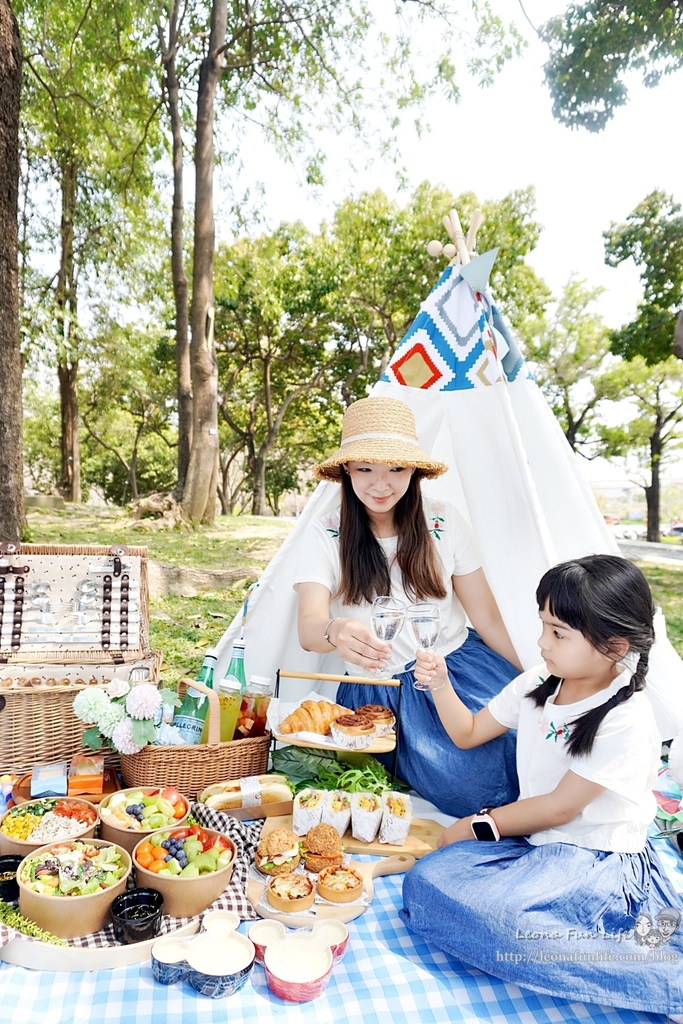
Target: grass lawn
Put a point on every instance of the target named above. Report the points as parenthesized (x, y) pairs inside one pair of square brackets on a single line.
[(183, 627)]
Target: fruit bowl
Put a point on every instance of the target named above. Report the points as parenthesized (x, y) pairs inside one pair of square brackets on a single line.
[(66, 807), (160, 807), (191, 883), (71, 915)]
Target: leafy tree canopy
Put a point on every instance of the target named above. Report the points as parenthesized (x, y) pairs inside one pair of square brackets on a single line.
[(594, 45), (652, 236)]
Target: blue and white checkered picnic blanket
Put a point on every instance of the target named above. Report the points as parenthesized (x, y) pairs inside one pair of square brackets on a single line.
[(387, 973)]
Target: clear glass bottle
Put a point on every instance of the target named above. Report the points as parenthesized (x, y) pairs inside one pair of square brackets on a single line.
[(190, 717), (254, 708)]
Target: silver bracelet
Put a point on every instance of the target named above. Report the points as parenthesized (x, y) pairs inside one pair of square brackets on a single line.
[(326, 634)]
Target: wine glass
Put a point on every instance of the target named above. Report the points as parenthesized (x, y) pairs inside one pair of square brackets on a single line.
[(425, 622), (386, 618)]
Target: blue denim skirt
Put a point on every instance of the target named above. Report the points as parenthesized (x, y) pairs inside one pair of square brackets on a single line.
[(557, 919), (459, 782)]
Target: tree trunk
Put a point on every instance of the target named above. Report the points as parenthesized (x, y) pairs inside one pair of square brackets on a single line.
[(652, 493), (199, 498), (259, 504), (70, 484), (11, 446), (180, 290), (67, 359)]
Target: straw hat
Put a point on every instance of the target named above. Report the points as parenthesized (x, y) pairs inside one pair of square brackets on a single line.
[(379, 430)]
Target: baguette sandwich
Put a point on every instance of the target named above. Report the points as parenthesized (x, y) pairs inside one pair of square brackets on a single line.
[(262, 789)]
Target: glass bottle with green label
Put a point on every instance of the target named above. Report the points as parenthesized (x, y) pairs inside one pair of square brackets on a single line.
[(190, 717)]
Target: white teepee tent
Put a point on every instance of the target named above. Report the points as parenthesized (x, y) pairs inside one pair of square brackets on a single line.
[(512, 475)]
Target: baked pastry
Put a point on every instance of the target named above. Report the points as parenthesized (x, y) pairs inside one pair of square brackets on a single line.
[(278, 852), (291, 893), (322, 848), (307, 810), (354, 732), (340, 885), (312, 716), (382, 717)]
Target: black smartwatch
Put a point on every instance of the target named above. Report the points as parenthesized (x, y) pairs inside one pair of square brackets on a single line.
[(484, 827)]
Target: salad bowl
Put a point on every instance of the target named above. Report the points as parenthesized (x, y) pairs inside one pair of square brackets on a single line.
[(46, 812), (67, 888)]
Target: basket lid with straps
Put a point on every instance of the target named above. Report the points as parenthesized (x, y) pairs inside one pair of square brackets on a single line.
[(63, 603)]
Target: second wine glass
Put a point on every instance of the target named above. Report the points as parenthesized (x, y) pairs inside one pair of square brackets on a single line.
[(425, 622), (387, 618)]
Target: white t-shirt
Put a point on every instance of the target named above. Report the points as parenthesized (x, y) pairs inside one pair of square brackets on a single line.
[(624, 759), (455, 547)]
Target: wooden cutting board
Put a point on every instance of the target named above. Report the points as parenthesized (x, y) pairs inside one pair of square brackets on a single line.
[(326, 911), (422, 838)]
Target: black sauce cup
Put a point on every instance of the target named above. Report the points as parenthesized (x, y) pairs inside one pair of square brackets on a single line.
[(136, 914), (9, 887)]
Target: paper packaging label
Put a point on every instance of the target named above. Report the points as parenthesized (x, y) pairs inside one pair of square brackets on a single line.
[(251, 791), (49, 780)]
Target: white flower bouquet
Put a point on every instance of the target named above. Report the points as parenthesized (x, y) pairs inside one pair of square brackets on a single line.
[(124, 716)]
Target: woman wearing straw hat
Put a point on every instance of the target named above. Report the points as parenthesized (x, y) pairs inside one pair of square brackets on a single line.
[(388, 539)]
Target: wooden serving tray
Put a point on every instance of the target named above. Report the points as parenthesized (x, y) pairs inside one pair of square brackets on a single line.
[(327, 911), (21, 792), (380, 745), (422, 838)]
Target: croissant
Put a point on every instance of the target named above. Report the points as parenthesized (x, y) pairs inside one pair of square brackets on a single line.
[(312, 716)]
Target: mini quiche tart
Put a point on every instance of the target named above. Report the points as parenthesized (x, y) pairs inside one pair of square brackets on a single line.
[(291, 893), (340, 885)]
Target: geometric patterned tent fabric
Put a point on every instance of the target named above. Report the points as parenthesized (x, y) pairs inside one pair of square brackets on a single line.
[(511, 474)]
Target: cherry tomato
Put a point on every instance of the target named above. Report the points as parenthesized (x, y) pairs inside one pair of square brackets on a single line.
[(144, 859), (179, 809), (156, 866), (145, 848), (181, 833), (159, 853)]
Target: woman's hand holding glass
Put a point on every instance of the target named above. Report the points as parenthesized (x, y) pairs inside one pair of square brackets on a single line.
[(357, 644), (387, 618)]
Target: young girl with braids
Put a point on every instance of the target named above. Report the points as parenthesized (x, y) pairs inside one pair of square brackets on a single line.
[(544, 892)]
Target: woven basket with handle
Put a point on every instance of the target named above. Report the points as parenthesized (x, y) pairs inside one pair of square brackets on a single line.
[(192, 768)]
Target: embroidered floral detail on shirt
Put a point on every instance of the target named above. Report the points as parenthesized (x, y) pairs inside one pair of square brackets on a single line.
[(331, 523), (436, 525), (558, 734)]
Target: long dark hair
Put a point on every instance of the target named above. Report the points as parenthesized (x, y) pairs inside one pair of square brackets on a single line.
[(365, 572), (608, 600)]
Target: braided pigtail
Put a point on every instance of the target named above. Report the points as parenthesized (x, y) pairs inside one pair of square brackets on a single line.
[(609, 601)]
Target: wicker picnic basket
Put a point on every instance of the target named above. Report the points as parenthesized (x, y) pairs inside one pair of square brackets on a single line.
[(192, 768), (40, 676)]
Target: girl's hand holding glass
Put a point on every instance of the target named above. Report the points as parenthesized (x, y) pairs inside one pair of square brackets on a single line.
[(425, 622), (387, 618), (430, 671)]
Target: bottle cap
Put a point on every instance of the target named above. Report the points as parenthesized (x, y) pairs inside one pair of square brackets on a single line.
[(261, 683), (229, 685), (238, 643)]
